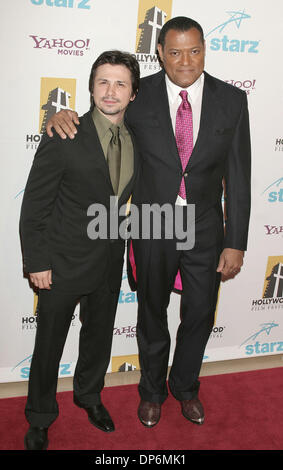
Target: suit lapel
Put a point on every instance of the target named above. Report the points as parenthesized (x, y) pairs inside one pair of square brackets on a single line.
[(206, 119), (161, 105), (135, 166)]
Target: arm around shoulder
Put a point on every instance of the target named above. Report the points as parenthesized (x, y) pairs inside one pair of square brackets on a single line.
[(63, 123)]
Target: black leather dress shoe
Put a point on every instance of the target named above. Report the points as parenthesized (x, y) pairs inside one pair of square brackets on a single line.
[(149, 413), (98, 416), (36, 439)]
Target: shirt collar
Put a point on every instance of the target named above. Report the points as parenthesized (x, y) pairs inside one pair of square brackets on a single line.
[(173, 90), (103, 124)]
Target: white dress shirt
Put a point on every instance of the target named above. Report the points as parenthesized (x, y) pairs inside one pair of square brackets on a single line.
[(195, 99)]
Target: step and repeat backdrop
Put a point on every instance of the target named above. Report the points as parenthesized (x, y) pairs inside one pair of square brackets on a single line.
[(47, 49)]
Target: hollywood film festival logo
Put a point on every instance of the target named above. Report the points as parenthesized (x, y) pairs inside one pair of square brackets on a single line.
[(29, 321), (262, 340), (152, 15), (55, 94), (278, 144), (125, 363), (272, 296)]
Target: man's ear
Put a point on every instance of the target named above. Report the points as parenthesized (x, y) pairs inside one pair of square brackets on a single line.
[(160, 51)]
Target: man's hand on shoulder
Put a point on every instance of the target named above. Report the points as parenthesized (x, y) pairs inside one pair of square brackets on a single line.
[(64, 124)]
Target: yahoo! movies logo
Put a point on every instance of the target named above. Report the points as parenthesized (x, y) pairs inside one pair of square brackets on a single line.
[(273, 230), (247, 85), (223, 42), (62, 46)]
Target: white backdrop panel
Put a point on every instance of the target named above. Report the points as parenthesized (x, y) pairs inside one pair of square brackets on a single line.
[(47, 40)]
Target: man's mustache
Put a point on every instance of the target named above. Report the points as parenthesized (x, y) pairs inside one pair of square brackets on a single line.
[(112, 98)]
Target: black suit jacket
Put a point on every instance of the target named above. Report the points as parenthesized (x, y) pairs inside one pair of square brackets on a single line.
[(221, 152), (68, 176)]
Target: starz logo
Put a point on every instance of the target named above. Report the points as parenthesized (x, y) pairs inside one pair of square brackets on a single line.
[(236, 17), (274, 191), (226, 44)]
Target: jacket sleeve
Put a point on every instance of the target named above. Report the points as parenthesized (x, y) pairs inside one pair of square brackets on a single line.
[(39, 199), (238, 183)]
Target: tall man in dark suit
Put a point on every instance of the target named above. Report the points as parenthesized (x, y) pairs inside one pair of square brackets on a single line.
[(192, 131), (64, 258)]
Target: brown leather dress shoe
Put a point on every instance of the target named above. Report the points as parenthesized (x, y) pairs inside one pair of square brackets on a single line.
[(149, 413), (193, 410)]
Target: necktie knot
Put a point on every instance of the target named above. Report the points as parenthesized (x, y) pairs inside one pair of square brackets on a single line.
[(184, 95), (115, 133), (185, 101)]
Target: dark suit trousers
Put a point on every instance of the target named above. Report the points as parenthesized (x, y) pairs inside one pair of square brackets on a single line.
[(157, 264), (55, 313)]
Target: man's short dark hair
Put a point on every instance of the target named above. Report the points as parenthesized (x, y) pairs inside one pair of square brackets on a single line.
[(179, 23), (116, 58)]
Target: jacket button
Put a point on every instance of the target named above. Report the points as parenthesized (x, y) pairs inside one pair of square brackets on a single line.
[(185, 175)]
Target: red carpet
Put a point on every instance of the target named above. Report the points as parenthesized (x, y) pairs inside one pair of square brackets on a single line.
[(244, 411)]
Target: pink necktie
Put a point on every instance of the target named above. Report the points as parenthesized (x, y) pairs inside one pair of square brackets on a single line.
[(184, 135)]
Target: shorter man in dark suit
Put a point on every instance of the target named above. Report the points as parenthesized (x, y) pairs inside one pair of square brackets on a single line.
[(66, 178)]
